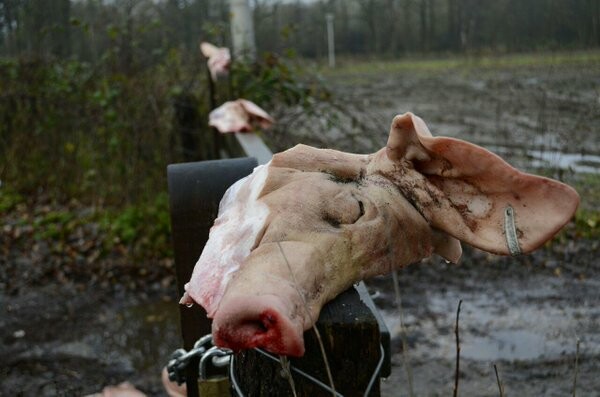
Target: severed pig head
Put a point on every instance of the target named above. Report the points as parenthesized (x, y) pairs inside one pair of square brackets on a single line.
[(305, 227), (240, 115), (219, 59)]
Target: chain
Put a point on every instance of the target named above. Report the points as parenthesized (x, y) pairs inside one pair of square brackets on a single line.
[(208, 354), (221, 357)]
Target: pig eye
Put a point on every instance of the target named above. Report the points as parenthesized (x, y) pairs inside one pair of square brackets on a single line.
[(361, 208), (338, 218), (361, 212)]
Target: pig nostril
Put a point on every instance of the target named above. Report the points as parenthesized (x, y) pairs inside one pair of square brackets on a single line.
[(254, 327), (261, 325), (258, 326), (268, 321)]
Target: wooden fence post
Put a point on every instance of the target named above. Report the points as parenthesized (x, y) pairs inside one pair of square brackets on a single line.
[(195, 190), (352, 342)]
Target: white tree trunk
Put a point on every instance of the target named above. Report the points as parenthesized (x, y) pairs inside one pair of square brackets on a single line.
[(242, 30), (330, 40)]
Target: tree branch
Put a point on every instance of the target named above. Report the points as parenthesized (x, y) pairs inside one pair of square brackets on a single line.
[(456, 373)]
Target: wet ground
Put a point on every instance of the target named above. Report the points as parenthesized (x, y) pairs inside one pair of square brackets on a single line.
[(541, 118), (70, 340), (523, 315), (70, 337)]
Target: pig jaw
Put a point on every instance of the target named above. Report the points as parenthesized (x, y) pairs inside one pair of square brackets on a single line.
[(258, 321)]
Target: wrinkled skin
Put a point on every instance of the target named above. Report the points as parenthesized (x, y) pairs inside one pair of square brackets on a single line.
[(240, 115), (304, 228)]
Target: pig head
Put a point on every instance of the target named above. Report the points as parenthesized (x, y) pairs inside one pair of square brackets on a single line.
[(240, 115), (306, 226), (219, 59)]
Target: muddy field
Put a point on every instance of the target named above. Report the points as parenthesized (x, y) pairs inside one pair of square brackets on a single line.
[(523, 315), (537, 117), (71, 337)]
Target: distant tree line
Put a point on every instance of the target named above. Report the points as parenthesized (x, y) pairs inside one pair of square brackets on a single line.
[(142, 30), (397, 27)]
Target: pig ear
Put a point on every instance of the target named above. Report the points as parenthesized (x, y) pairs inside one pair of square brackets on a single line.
[(474, 195), (208, 50), (256, 112)]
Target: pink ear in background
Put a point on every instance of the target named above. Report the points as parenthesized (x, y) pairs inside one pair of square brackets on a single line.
[(219, 59), (239, 116), (124, 389)]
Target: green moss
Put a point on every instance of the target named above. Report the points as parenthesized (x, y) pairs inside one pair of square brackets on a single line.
[(9, 200), (588, 187), (143, 228)]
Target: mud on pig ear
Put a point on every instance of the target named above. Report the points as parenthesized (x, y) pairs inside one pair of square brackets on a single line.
[(474, 195)]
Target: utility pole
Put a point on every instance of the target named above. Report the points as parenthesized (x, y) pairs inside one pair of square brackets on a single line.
[(242, 30), (330, 39)]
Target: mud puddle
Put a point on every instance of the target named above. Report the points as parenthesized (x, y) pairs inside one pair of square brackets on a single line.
[(554, 159)]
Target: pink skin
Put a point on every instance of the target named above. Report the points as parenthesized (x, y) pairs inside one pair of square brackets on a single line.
[(219, 59), (328, 219), (172, 388), (239, 116), (124, 389)]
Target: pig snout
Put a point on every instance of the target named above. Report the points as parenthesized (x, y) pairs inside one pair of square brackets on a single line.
[(246, 322)]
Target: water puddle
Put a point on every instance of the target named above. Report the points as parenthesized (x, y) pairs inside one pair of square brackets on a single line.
[(554, 159), (536, 152), (567, 161), (507, 345), (512, 323), (139, 338)]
